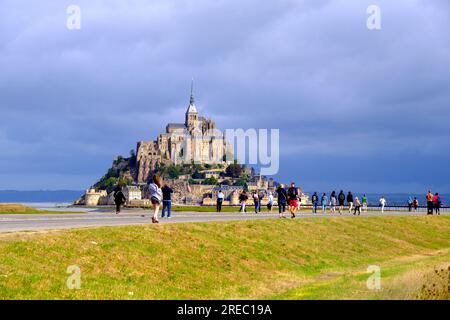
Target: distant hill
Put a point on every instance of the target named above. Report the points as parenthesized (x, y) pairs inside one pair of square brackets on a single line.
[(40, 195)]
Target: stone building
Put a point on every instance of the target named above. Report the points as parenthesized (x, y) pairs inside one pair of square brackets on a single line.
[(132, 193), (197, 139), (93, 197)]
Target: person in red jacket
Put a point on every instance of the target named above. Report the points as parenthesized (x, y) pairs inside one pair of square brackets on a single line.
[(437, 203), (293, 199)]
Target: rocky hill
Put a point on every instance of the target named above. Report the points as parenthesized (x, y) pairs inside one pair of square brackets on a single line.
[(123, 171)]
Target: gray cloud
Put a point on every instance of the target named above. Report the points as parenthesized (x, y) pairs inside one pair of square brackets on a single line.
[(342, 95)]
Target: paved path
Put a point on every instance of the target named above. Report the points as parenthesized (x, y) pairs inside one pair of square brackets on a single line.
[(23, 222)]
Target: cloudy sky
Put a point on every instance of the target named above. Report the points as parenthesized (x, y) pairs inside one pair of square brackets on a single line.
[(360, 109)]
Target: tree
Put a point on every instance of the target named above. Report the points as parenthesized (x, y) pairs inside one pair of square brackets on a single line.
[(192, 181), (226, 182), (240, 182), (234, 170), (108, 184), (160, 168), (197, 175), (118, 160), (122, 181), (174, 171), (210, 181)]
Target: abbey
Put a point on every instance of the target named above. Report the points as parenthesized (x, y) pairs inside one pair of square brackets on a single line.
[(197, 139)]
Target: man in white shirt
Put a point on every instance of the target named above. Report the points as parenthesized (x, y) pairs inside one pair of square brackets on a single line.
[(220, 197), (382, 203)]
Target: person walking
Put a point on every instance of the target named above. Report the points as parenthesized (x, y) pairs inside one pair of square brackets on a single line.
[(416, 204), (382, 203), (364, 203), (293, 199), (430, 203), (119, 198), (282, 200), (243, 200), (315, 202), (155, 196), (167, 201), (270, 202), (260, 198), (299, 203), (410, 204), (357, 206), (437, 203), (333, 201), (256, 201), (324, 202), (350, 201), (341, 201), (220, 197)]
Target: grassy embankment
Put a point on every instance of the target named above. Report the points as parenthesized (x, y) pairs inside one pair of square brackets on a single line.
[(319, 258), (12, 208)]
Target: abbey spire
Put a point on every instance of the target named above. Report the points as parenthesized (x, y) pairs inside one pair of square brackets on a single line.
[(191, 113)]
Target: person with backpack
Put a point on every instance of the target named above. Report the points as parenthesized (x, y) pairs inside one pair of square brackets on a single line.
[(324, 202), (315, 202), (220, 197), (437, 203), (260, 199), (155, 196), (119, 198), (167, 201), (410, 204), (341, 201), (281, 200), (293, 199), (350, 201)]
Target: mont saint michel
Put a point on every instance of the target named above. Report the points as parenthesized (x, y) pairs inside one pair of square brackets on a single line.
[(197, 139), (193, 156)]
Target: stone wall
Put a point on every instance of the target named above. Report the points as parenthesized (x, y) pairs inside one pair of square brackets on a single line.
[(147, 157)]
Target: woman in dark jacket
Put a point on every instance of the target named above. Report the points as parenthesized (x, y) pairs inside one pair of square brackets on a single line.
[(119, 198), (282, 200)]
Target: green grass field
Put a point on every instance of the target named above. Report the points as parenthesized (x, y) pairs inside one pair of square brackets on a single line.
[(12, 208), (250, 209), (316, 258)]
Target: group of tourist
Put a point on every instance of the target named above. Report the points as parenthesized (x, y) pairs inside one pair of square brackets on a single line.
[(336, 202), (340, 201), (160, 194), (289, 198), (434, 202)]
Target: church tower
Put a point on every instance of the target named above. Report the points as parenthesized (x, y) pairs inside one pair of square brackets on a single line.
[(191, 113)]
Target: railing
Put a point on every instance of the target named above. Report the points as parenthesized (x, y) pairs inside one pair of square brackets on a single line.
[(369, 207)]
